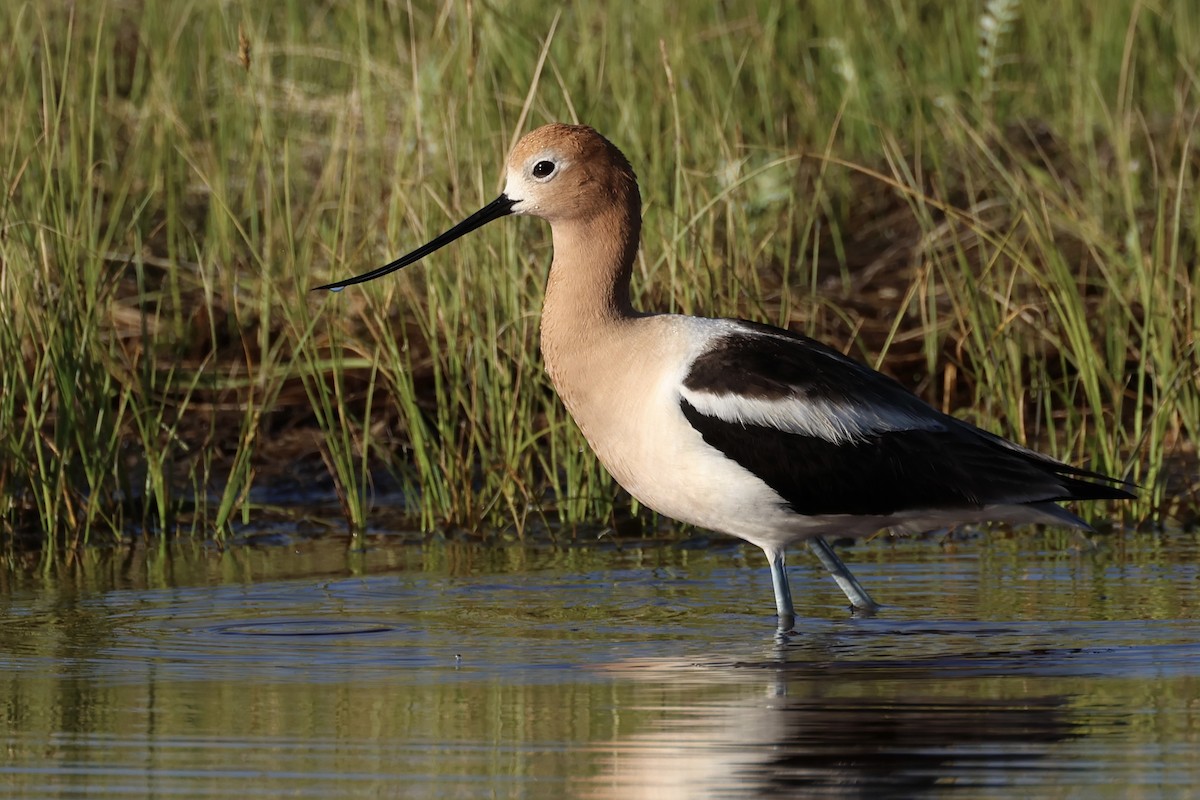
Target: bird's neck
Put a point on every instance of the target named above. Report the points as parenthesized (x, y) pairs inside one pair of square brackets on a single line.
[(587, 293), (593, 263)]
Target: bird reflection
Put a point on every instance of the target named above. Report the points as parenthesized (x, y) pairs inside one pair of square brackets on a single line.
[(801, 739)]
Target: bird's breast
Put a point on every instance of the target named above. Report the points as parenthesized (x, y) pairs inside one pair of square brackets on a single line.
[(623, 390)]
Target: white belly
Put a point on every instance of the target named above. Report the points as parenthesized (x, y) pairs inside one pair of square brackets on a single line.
[(629, 411)]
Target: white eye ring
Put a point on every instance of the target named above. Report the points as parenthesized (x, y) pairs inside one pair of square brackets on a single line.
[(543, 170)]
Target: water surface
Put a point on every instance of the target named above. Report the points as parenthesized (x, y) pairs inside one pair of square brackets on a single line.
[(1001, 665)]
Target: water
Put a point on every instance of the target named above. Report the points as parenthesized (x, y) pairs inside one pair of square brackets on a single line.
[(1001, 666)]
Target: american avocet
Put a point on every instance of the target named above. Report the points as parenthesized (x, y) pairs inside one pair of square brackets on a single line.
[(738, 427)]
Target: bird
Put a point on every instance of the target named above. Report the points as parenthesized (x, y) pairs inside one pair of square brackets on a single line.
[(735, 426)]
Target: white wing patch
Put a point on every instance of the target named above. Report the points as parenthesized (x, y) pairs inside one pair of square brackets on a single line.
[(837, 422), (843, 420)]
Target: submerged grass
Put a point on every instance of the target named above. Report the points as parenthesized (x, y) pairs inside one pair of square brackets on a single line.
[(996, 204)]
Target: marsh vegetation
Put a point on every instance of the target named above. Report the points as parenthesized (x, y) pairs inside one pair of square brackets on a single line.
[(996, 204)]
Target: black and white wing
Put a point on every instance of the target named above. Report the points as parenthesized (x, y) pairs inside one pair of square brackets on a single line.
[(832, 436)]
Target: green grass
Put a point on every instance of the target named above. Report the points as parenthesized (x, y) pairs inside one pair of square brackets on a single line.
[(1002, 214)]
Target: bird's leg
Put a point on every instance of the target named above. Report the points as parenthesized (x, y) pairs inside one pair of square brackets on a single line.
[(855, 593), (783, 593)]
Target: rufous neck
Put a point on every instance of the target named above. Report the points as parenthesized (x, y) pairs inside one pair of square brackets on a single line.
[(592, 267)]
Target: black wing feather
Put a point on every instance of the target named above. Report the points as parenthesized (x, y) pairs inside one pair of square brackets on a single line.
[(950, 465)]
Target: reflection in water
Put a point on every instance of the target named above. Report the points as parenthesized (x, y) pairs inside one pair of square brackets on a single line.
[(317, 671), (820, 745)]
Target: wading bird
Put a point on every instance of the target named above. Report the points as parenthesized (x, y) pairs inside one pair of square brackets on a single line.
[(734, 426)]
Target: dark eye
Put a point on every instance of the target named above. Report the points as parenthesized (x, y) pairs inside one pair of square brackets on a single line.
[(543, 169)]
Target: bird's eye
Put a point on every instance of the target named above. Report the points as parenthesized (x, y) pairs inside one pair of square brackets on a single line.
[(543, 169)]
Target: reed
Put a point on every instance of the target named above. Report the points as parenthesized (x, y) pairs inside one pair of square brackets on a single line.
[(997, 205)]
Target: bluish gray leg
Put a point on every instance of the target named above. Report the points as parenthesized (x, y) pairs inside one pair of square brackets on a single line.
[(783, 593), (855, 593)]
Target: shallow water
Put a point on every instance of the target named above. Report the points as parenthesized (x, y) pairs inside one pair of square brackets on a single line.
[(999, 666)]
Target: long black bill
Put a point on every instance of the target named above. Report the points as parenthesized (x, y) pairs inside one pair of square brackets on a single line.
[(500, 207)]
